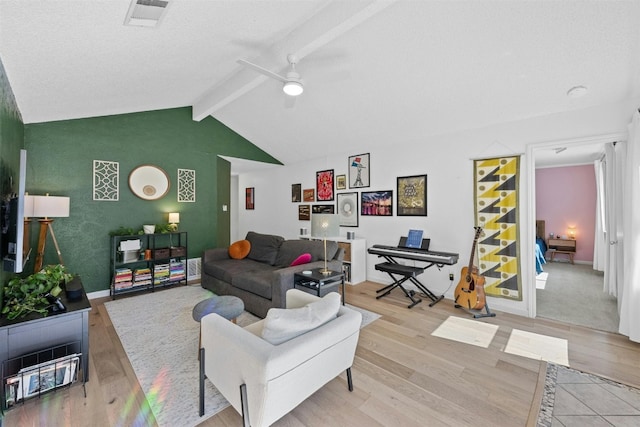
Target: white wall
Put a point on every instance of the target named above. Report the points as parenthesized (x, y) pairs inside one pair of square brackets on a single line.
[(447, 162)]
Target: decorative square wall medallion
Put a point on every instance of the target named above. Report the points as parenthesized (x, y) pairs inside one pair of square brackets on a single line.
[(186, 185), (105, 180)]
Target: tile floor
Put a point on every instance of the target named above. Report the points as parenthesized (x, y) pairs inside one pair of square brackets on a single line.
[(586, 400)]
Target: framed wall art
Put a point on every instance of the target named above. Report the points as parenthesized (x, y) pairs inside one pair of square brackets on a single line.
[(326, 209), (249, 202), (348, 209), (341, 182), (412, 195), (304, 213), (359, 171), (376, 203), (308, 195), (324, 185), (496, 184), (296, 193)]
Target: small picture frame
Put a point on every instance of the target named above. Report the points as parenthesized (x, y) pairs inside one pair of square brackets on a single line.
[(304, 213), (341, 182), (359, 171), (324, 209), (324, 185), (348, 209), (296, 193), (412, 195), (249, 202), (376, 203), (308, 195)]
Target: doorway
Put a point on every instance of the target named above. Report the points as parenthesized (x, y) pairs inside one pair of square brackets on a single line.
[(570, 293)]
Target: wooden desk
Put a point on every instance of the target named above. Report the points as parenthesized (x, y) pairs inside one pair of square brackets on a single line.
[(562, 246)]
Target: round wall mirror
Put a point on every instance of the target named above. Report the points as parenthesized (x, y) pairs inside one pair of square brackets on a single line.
[(149, 182)]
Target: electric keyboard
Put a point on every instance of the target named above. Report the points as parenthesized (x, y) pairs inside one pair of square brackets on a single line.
[(447, 258)]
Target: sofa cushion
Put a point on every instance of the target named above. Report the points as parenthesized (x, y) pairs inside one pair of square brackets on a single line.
[(239, 249), (291, 249), (226, 269), (264, 247), (257, 281), (302, 259), (283, 324)]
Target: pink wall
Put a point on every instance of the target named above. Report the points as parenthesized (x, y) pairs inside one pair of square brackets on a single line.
[(566, 196)]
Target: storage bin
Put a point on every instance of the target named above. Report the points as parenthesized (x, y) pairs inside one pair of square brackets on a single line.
[(178, 251), (161, 253)]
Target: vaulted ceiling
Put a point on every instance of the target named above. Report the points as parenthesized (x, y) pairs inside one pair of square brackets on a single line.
[(375, 72)]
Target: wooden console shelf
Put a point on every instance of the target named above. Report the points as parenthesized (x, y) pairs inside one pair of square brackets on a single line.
[(562, 246)]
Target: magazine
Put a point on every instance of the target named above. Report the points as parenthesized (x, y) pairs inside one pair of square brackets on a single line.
[(40, 378)]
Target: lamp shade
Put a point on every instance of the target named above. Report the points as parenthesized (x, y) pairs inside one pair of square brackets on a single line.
[(174, 218), (48, 206), (28, 206), (325, 225)]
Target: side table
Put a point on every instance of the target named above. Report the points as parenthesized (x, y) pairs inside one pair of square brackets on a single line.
[(318, 283)]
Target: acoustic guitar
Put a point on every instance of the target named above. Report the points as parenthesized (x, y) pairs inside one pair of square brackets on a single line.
[(470, 290)]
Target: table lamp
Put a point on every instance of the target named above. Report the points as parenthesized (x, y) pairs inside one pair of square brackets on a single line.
[(174, 220), (45, 208), (323, 226)]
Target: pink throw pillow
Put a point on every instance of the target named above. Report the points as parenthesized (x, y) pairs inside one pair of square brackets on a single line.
[(302, 259)]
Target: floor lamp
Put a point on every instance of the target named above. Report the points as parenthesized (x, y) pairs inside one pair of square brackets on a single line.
[(45, 208), (325, 226)]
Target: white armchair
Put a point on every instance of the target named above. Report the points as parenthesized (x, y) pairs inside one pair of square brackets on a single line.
[(264, 382)]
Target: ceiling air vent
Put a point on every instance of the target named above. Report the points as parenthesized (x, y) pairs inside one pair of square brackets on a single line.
[(146, 13)]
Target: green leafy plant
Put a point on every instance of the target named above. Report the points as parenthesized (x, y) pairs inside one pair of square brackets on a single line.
[(166, 228), (24, 295), (128, 231), (125, 231)]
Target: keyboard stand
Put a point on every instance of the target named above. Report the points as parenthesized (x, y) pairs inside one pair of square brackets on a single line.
[(405, 272)]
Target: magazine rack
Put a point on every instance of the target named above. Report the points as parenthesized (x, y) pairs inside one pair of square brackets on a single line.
[(40, 372)]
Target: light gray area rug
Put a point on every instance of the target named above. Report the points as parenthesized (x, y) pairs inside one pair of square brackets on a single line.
[(573, 294), (161, 341)]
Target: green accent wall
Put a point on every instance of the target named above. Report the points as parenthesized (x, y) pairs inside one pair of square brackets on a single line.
[(60, 162), (11, 141)]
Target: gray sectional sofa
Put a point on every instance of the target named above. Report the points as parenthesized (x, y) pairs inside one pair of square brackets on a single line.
[(262, 278)]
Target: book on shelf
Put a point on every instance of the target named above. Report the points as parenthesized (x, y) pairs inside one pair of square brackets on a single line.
[(123, 285)]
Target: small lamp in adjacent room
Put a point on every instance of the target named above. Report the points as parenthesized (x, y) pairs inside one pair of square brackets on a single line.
[(174, 220), (325, 226), (572, 231), (45, 208)]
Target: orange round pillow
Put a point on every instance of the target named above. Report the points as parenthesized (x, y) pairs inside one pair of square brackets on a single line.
[(239, 249)]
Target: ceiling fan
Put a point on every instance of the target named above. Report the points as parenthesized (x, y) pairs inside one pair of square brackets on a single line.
[(292, 83)]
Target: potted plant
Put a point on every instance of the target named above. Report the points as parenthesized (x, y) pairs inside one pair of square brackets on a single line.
[(36, 293)]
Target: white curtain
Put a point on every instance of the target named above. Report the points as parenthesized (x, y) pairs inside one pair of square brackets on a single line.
[(600, 244), (629, 292), (613, 199)]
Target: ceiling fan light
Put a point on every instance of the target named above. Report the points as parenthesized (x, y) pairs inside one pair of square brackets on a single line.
[(293, 88)]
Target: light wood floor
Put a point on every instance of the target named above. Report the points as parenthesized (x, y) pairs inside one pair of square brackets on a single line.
[(402, 375)]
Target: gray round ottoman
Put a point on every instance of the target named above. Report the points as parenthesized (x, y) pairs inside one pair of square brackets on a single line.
[(226, 306)]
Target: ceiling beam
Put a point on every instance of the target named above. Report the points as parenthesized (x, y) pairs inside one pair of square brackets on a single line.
[(329, 23)]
